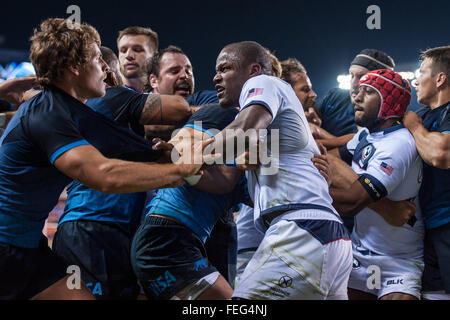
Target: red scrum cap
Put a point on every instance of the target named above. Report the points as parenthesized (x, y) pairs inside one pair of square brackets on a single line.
[(394, 91)]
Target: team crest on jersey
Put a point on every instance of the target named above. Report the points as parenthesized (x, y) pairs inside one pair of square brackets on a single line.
[(366, 153)]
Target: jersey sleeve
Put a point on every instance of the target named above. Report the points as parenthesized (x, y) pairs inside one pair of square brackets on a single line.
[(54, 134), (445, 124), (131, 104), (388, 167), (261, 90)]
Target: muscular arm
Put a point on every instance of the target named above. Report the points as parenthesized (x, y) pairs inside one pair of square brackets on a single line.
[(348, 202), (87, 165), (12, 90), (165, 109), (433, 147), (396, 213), (253, 117), (219, 179), (336, 141)]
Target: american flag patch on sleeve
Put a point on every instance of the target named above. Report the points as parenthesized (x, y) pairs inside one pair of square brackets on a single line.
[(386, 168), (255, 92)]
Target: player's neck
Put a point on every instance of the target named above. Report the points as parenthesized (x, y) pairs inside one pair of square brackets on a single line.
[(386, 124), (443, 97), (135, 83), (71, 90)]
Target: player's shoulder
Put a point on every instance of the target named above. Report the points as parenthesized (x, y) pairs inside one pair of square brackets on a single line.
[(265, 80), (397, 139), (203, 97)]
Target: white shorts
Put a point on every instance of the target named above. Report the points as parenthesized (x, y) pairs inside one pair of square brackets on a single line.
[(381, 275), (193, 291), (243, 258), (299, 260)]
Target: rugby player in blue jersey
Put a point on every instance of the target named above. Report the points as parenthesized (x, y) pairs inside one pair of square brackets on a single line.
[(96, 229), (54, 138), (431, 130)]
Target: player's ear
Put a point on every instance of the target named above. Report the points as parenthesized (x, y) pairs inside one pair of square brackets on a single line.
[(153, 80), (73, 69), (441, 79), (255, 69)]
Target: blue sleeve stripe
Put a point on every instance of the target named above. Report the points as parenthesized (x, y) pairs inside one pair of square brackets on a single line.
[(373, 186), (190, 125), (261, 103), (65, 148), (445, 131)]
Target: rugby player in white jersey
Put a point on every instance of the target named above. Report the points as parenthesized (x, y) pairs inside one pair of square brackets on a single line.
[(388, 259), (305, 252)]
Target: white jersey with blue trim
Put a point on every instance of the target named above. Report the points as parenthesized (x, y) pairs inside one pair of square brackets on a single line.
[(389, 161), (290, 181)]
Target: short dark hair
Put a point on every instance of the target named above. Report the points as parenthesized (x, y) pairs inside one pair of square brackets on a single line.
[(108, 55), (136, 30), (252, 52), (290, 66), (152, 65), (440, 57)]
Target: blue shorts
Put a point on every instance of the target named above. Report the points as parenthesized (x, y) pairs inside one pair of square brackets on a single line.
[(167, 257), (102, 251), (24, 272), (436, 276)]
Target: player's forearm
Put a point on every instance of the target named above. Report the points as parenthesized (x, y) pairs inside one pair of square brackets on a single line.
[(350, 201), (175, 109), (343, 174), (117, 176), (433, 147), (219, 179), (344, 203), (165, 109), (336, 142)]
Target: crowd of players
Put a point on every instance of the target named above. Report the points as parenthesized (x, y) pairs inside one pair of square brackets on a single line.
[(358, 208)]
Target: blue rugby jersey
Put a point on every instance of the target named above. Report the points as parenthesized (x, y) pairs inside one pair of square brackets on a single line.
[(197, 209), (43, 128), (203, 97), (124, 106), (435, 191), (337, 114)]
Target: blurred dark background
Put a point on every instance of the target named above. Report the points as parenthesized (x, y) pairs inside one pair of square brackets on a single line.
[(324, 35)]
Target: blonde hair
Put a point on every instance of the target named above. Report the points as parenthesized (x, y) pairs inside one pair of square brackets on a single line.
[(60, 43)]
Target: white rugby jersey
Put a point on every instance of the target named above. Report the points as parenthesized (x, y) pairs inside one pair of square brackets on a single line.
[(296, 183), (391, 167)]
